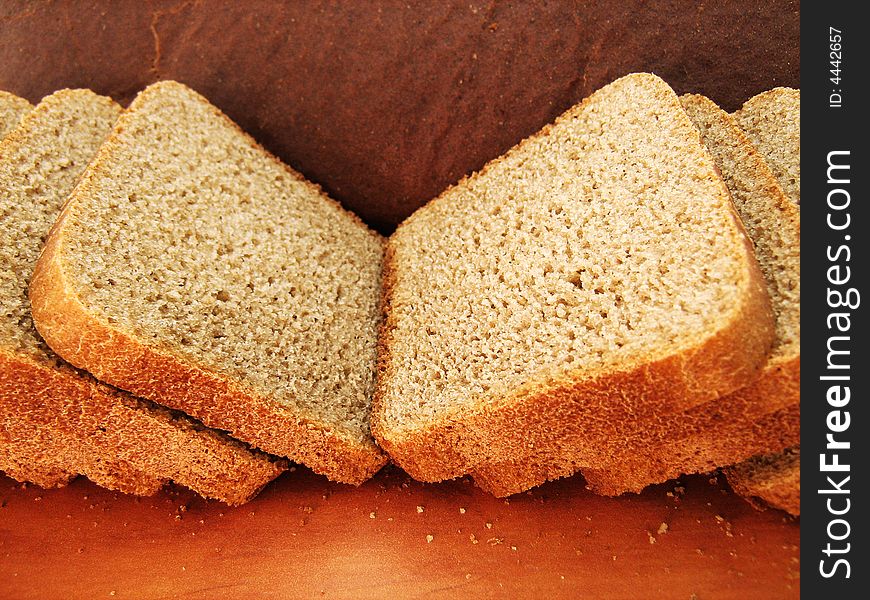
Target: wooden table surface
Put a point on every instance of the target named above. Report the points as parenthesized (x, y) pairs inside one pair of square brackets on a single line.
[(395, 538)]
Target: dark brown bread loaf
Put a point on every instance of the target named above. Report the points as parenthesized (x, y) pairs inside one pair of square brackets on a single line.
[(386, 105)]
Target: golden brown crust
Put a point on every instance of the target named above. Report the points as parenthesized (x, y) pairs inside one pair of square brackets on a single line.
[(71, 422), (775, 480), (121, 359), (550, 409), (758, 419), (46, 418)]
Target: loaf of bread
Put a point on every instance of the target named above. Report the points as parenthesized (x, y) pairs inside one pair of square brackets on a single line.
[(774, 479), (387, 106), (192, 268), (772, 120), (594, 277), (56, 422)]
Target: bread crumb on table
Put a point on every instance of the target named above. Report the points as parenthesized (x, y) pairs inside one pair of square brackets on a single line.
[(420, 509), (429, 538)]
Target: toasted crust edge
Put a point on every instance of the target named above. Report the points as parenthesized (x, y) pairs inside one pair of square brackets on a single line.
[(118, 443)]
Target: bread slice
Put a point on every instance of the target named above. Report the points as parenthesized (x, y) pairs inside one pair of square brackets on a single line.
[(594, 276), (12, 109), (56, 421), (760, 418), (192, 268), (772, 121), (43, 472), (774, 479)]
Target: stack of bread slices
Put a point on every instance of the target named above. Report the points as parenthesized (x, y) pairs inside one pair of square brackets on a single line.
[(618, 295)]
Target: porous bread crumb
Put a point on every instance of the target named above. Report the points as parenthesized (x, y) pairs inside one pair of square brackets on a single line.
[(600, 247), (194, 241), (35, 182), (548, 258), (772, 121), (12, 109), (772, 223)]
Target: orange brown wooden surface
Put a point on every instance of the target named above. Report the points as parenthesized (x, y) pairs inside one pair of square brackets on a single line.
[(306, 537)]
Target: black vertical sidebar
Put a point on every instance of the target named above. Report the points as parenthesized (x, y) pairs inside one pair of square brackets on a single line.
[(835, 424)]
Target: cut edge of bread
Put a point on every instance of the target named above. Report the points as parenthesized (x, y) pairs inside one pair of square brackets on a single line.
[(122, 360), (450, 447)]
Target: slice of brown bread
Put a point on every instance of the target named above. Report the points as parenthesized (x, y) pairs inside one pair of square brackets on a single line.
[(595, 275), (772, 121), (12, 109), (774, 479), (46, 471), (56, 421), (763, 417), (192, 268)]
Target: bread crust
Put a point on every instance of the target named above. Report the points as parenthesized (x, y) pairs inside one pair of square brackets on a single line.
[(123, 360), (44, 438), (777, 484), (548, 408), (70, 421)]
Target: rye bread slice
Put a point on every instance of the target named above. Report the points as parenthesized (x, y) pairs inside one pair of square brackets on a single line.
[(44, 472), (193, 268), (773, 479), (54, 417), (763, 417), (772, 120), (595, 275)]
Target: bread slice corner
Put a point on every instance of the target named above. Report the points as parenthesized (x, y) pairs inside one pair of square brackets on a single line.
[(772, 121)]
